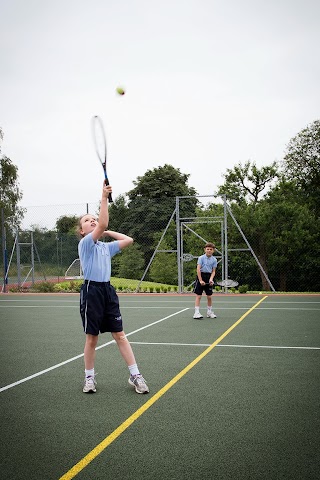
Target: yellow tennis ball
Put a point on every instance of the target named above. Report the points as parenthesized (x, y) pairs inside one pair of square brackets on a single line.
[(260, 293), (120, 91)]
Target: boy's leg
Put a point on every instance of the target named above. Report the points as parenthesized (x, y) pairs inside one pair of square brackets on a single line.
[(209, 302), (90, 351), (124, 347), (210, 313), (136, 379), (197, 302), (89, 358), (197, 313)]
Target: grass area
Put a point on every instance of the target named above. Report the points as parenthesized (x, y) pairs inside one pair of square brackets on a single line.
[(124, 285), (120, 284)]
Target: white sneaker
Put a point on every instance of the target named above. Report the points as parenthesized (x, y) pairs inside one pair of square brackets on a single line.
[(211, 315), (197, 315), (89, 385), (139, 383)]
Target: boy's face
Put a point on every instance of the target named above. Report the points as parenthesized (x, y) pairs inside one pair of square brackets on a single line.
[(208, 251), (88, 224)]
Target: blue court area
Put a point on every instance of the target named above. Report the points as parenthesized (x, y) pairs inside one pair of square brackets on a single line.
[(231, 397)]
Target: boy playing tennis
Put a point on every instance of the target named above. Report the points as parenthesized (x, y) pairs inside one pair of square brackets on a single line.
[(99, 302), (206, 270)]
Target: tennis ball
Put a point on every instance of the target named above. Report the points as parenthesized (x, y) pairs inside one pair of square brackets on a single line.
[(120, 91), (260, 293)]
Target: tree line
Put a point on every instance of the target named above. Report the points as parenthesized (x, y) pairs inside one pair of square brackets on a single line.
[(276, 206)]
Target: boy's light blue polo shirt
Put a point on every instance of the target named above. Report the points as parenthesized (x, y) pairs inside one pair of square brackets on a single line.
[(207, 264), (95, 258)]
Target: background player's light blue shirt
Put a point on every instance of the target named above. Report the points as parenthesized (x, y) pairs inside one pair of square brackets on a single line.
[(207, 264), (95, 258)]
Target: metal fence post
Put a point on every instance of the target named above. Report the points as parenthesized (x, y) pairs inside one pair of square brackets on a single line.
[(4, 252)]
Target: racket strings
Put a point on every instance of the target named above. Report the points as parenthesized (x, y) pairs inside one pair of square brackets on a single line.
[(99, 140)]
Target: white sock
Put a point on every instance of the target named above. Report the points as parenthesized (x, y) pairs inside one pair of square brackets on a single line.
[(133, 369), (89, 373), (196, 309)]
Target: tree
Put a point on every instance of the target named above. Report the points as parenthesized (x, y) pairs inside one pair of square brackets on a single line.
[(118, 211), (131, 262), (162, 182), (292, 238), (152, 203), (10, 193), (302, 163), (284, 234), (66, 224), (244, 186), (246, 183), (164, 269)]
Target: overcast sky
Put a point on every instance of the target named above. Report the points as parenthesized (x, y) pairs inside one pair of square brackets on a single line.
[(209, 84)]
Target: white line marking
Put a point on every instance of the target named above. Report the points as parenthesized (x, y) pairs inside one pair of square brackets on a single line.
[(166, 306), (223, 345), (146, 326), (2, 389)]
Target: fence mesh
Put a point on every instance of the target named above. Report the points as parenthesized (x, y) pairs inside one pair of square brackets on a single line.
[(168, 238)]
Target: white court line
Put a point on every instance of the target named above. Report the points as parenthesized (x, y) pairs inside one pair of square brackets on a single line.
[(223, 345), (2, 389), (77, 306), (143, 307)]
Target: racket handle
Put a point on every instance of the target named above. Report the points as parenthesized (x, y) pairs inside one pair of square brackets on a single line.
[(106, 181)]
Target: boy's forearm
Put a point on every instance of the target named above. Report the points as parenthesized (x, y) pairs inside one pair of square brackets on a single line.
[(213, 274), (199, 274), (115, 235), (104, 213)]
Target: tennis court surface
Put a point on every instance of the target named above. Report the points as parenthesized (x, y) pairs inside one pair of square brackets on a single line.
[(236, 397)]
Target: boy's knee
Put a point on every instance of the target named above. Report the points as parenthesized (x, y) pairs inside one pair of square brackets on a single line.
[(91, 340), (120, 337)]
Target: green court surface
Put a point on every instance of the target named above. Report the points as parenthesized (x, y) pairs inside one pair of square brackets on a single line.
[(236, 397)]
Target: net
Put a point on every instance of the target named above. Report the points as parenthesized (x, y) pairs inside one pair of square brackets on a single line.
[(74, 271)]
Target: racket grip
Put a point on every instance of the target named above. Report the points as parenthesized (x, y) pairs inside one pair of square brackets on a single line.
[(106, 181)]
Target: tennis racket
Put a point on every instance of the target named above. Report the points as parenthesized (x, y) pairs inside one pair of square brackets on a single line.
[(224, 283), (227, 283), (100, 144)]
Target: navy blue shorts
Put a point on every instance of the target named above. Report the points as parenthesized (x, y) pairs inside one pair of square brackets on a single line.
[(199, 289), (99, 308)]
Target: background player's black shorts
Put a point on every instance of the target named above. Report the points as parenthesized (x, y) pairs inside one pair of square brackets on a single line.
[(199, 289), (99, 308)]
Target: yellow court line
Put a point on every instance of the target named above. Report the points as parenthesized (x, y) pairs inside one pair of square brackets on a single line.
[(126, 424)]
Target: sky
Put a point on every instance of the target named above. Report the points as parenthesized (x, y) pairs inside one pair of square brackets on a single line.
[(209, 85)]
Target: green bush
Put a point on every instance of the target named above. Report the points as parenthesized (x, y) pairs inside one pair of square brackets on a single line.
[(44, 287), (243, 288), (67, 287)]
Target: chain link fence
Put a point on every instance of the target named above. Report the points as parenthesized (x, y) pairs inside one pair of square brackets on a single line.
[(169, 235)]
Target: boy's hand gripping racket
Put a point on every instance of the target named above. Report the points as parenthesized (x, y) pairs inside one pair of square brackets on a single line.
[(100, 143)]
